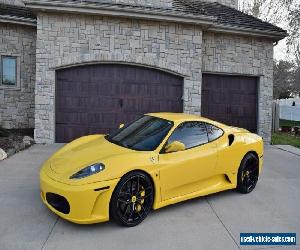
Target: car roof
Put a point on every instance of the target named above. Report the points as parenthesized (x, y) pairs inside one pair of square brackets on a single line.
[(181, 117)]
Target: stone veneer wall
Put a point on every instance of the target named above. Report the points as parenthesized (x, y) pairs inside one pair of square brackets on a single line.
[(68, 39), (17, 103), (235, 54)]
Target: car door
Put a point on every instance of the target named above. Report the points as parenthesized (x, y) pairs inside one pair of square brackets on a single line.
[(186, 171)]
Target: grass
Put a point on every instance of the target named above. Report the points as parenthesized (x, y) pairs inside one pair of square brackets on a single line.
[(288, 123), (285, 139)]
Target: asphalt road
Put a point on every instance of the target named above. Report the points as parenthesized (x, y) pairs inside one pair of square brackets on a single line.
[(212, 222)]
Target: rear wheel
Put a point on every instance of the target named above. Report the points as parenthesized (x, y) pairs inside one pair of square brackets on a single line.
[(248, 174), (132, 199)]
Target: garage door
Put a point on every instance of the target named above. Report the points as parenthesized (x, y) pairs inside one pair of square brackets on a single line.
[(97, 98), (230, 99)]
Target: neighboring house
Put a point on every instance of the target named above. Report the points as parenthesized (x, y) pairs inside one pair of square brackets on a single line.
[(101, 63)]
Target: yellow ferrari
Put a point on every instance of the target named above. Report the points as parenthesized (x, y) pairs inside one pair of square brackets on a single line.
[(157, 160)]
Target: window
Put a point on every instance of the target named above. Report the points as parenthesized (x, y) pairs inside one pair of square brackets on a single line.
[(213, 132), (9, 70), (191, 134), (144, 134)]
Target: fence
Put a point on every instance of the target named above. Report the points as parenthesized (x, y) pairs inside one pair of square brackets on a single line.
[(286, 109), (275, 116), (288, 101), (291, 113)]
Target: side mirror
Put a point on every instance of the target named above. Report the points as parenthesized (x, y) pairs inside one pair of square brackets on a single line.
[(121, 125), (174, 146)]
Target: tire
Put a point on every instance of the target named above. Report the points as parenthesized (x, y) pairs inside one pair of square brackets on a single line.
[(132, 199), (248, 174)]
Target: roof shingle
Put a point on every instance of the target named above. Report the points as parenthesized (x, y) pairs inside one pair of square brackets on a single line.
[(221, 14), (14, 11), (225, 15), (218, 14)]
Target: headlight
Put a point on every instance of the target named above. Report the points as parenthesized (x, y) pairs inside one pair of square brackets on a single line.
[(90, 170)]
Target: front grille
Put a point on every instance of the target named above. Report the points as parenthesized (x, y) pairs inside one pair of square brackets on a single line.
[(58, 202)]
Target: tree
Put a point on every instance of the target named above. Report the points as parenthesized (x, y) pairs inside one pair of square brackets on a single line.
[(297, 81), (284, 79), (12, 2), (267, 10), (293, 40), (284, 13)]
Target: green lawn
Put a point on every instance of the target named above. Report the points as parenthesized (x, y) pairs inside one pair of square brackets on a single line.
[(288, 123), (285, 139)]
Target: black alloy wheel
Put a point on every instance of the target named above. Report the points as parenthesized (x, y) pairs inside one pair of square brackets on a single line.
[(248, 173), (132, 199)]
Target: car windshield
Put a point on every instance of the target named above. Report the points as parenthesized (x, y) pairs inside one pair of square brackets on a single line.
[(144, 134)]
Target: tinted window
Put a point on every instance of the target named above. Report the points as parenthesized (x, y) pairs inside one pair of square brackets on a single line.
[(213, 132), (191, 134), (9, 70), (144, 134)]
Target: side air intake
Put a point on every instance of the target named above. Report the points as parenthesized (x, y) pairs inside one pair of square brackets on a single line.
[(230, 139)]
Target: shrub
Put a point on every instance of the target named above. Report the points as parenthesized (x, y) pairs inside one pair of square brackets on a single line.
[(3, 132)]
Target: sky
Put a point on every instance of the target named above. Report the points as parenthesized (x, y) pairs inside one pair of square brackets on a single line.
[(280, 50)]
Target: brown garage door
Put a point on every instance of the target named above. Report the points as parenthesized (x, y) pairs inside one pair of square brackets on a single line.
[(230, 99), (97, 98)]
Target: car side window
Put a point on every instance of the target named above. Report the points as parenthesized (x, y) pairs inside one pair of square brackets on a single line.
[(213, 132), (191, 134)]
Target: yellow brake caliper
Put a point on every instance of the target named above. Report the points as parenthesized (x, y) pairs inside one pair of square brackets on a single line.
[(245, 174), (138, 207)]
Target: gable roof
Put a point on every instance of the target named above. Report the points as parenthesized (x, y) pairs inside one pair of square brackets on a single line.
[(16, 14), (215, 16), (225, 15)]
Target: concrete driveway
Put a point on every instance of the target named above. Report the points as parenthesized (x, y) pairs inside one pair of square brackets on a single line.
[(212, 222)]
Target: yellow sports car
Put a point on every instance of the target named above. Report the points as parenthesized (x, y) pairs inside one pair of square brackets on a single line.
[(157, 160)]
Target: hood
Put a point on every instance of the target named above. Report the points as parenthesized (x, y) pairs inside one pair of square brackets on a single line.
[(82, 153), (85, 154)]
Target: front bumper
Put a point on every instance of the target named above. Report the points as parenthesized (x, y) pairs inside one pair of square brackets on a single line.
[(87, 203), (261, 163)]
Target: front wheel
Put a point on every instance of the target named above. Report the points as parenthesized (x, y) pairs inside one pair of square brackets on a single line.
[(248, 174), (132, 199)]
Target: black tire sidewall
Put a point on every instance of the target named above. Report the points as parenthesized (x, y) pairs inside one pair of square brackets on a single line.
[(240, 187), (113, 202)]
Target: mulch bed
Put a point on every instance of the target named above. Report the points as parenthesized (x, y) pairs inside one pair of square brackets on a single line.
[(13, 139), (10, 141)]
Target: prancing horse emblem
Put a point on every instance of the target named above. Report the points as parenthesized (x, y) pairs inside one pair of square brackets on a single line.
[(153, 159)]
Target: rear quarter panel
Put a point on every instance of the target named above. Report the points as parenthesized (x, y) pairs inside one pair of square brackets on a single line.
[(230, 157), (255, 143)]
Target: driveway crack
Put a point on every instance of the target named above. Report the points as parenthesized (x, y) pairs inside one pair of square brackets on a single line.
[(214, 211), (44, 244), (286, 150)]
